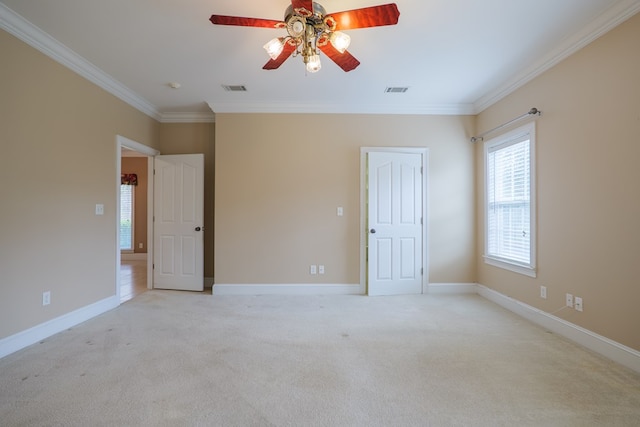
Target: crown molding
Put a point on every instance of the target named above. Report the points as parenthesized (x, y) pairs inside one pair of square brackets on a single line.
[(16, 25), (433, 109), (177, 117), (608, 20)]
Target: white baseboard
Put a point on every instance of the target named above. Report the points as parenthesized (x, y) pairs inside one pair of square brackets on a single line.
[(133, 256), (451, 288), (610, 349), (288, 289), (327, 289), (31, 336)]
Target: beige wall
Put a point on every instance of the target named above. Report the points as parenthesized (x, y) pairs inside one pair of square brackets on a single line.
[(193, 138), (588, 149), (138, 165), (58, 160), (279, 179)]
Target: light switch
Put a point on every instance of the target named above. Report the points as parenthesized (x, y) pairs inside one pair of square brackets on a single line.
[(340, 211), (99, 209)]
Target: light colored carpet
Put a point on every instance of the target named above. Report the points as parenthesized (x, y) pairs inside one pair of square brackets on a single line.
[(177, 358)]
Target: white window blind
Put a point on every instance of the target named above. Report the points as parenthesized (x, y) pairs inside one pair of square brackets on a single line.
[(126, 217), (509, 199)]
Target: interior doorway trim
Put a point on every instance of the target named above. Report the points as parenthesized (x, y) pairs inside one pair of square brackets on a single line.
[(121, 142), (364, 151)]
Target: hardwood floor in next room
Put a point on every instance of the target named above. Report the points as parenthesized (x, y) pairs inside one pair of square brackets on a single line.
[(133, 279)]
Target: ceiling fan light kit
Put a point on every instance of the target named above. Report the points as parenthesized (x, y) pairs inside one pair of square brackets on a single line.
[(311, 30)]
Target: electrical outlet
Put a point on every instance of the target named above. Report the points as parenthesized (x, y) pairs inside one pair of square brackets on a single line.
[(569, 300), (140, 245), (321, 269), (543, 292), (578, 303), (313, 269), (46, 298)]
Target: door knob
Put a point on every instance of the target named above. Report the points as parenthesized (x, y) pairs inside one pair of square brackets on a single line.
[(373, 231), (198, 228)]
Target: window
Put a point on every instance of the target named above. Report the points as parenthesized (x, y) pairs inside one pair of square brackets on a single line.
[(510, 201), (126, 217)]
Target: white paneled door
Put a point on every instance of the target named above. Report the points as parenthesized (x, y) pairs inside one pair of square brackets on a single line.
[(178, 237), (395, 217)]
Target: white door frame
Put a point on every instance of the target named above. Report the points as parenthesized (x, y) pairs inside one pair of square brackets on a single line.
[(122, 141), (364, 232)]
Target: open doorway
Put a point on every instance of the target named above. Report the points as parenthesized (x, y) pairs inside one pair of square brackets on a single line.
[(134, 218), (133, 224)]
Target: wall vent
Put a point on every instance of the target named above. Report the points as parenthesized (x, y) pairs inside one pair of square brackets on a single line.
[(235, 88), (397, 89)]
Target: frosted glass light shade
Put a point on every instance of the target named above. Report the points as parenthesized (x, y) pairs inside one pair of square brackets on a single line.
[(340, 41), (274, 47), (313, 66)]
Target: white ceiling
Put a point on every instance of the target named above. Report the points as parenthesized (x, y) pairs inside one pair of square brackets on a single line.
[(456, 56)]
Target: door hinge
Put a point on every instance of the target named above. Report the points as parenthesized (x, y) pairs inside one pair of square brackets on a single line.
[(421, 170), (421, 223), (421, 271)]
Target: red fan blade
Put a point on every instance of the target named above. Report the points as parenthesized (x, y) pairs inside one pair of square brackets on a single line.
[(345, 60), (375, 16), (306, 4), (284, 55), (245, 22)]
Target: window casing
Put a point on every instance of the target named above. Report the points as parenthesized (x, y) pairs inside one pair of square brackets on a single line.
[(510, 223)]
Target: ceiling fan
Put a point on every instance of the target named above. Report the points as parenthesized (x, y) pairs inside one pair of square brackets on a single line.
[(310, 29)]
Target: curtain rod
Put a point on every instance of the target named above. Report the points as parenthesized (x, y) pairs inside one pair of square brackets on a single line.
[(532, 112)]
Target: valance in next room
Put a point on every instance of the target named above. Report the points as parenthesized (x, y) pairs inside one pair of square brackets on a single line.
[(128, 179)]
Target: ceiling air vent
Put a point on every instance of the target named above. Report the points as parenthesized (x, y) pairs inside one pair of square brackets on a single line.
[(235, 88), (397, 89)]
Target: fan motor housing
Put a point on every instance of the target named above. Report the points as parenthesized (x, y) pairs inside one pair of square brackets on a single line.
[(315, 18), (296, 26)]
